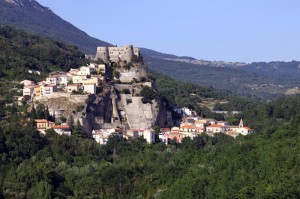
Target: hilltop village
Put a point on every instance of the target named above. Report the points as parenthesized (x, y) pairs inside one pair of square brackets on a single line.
[(116, 97)]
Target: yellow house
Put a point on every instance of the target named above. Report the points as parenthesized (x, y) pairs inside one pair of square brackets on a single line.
[(37, 90), (43, 124)]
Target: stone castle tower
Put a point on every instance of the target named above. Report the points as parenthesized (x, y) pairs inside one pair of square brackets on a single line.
[(115, 54)]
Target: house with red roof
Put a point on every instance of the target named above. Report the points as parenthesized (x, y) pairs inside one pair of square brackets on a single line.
[(62, 129)]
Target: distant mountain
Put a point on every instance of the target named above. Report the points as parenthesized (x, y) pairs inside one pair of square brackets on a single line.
[(35, 18), (258, 79)]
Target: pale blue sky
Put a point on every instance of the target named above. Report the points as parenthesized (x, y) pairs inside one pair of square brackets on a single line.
[(229, 30)]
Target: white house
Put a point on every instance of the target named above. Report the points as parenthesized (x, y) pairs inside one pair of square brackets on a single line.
[(49, 90), (149, 136), (27, 82), (73, 87), (51, 81), (85, 70), (216, 128), (187, 111), (28, 91), (101, 136), (63, 79), (89, 88), (163, 137)]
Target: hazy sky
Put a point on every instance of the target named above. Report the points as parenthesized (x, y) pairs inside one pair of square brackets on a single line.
[(229, 30)]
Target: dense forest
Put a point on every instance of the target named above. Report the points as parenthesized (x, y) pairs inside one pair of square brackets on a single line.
[(260, 165), (21, 52)]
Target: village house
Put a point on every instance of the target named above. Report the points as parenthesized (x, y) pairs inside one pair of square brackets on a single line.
[(28, 90), (101, 136), (27, 82), (91, 80), (48, 90), (73, 87), (78, 79), (51, 81), (72, 72), (64, 80), (89, 88), (62, 129), (149, 136), (37, 90), (177, 136), (86, 70), (43, 124), (216, 128)]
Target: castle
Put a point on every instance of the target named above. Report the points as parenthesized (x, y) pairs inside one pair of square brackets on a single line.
[(115, 54)]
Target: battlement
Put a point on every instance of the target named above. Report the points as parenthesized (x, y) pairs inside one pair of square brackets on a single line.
[(115, 54)]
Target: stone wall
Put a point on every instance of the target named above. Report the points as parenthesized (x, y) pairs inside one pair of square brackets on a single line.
[(116, 54), (139, 115)]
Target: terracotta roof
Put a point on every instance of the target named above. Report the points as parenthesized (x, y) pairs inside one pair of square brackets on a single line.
[(216, 125), (247, 128), (60, 127), (41, 120)]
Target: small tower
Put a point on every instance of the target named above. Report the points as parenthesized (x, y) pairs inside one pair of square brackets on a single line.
[(102, 53), (128, 53), (241, 125)]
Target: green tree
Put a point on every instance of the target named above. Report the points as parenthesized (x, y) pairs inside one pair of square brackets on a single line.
[(78, 130), (148, 95), (33, 114)]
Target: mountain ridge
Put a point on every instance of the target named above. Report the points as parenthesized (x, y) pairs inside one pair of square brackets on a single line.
[(31, 16)]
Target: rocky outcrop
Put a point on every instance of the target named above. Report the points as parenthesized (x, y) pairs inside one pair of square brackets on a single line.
[(98, 112), (164, 116)]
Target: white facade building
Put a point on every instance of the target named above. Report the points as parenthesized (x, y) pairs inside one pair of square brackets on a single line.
[(89, 88), (149, 136), (62, 129)]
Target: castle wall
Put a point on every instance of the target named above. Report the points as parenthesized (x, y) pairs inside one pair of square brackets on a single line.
[(115, 54)]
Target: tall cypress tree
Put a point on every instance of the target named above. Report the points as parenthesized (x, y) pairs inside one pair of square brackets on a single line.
[(47, 114), (33, 115)]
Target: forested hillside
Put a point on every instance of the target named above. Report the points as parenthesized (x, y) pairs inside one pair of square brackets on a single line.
[(260, 165), (256, 80), (20, 52)]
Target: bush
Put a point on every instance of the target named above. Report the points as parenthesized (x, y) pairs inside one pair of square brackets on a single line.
[(148, 95)]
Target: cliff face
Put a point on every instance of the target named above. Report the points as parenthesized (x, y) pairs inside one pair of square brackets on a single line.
[(164, 116), (98, 113)]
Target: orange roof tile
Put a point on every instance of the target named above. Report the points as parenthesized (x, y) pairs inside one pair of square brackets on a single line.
[(216, 125), (247, 128), (41, 120), (60, 127)]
